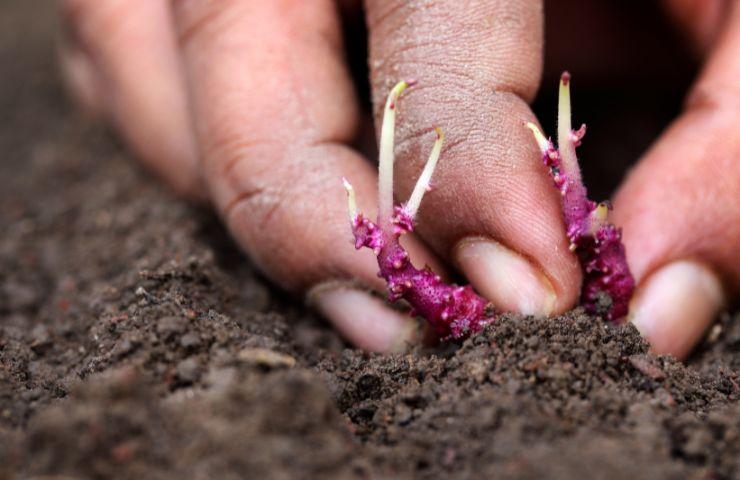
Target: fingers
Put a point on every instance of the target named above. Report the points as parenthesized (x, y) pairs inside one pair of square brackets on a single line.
[(680, 210), (493, 207), (363, 319), (273, 106), (120, 58)]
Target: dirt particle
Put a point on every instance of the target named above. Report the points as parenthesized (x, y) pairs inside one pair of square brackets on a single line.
[(369, 386), (266, 358), (170, 326), (646, 365), (126, 345), (40, 339), (403, 414), (188, 371), (191, 341)]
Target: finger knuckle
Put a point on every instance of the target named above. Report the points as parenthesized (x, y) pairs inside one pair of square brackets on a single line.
[(714, 97), (283, 232)]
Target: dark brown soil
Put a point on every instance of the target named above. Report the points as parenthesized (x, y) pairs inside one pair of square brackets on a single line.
[(136, 342)]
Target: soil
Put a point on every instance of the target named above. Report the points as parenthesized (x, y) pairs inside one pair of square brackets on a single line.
[(137, 342)]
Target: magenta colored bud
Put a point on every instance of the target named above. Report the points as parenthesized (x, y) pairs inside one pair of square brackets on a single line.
[(367, 234), (402, 221), (452, 311)]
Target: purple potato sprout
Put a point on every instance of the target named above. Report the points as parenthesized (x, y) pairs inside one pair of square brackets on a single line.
[(608, 284), (453, 311)]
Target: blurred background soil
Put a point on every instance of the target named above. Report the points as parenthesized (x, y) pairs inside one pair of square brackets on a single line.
[(137, 342)]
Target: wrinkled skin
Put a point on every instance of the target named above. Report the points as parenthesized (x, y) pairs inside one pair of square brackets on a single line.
[(250, 106)]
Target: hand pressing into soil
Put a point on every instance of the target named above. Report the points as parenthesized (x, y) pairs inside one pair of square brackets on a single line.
[(250, 104), (680, 206)]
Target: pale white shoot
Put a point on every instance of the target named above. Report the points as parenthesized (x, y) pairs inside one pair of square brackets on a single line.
[(351, 200), (424, 183), (542, 141), (566, 145), (385, 161), (598, 218)]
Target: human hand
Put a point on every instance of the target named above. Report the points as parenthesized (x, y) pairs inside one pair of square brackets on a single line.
[(250, 104), (679, 207)]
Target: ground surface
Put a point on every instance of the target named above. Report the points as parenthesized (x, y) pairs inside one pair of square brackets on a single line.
[(136, 342)]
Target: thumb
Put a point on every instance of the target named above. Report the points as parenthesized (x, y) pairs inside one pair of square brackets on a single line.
[(680, 212), (493, 210)]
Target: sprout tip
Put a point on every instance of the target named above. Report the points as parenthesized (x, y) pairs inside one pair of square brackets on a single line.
[(423, 184), (565, 78), (351, 200), (542, 141)]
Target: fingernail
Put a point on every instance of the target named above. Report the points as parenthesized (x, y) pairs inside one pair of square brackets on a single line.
[(364, 320), (674, 306), (504, 277)]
